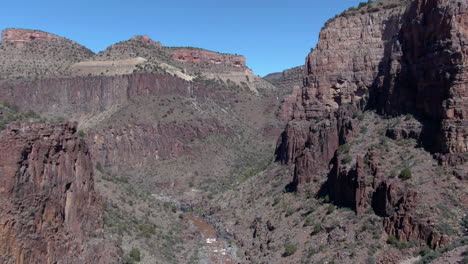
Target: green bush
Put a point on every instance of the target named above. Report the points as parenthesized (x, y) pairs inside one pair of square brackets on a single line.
[(289, 211), (392, 240), (344, 148), (405, 174), (81, 133), (308, 221), (347, 159), (135, 254), (370, 260), (428, 256), (317, 228), (289, 249)]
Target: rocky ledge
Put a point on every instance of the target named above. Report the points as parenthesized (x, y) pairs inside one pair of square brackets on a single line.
[(205, 56)]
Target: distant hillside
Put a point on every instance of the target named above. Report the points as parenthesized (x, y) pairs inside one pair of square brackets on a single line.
[(34, 54)]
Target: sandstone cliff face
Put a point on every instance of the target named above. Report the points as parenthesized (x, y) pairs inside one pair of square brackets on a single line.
[(205, 56), (289, 83), (425, 72), (401, 61), (49, 210), (89, 95), (339, 72), (357, 61), (395, 58)]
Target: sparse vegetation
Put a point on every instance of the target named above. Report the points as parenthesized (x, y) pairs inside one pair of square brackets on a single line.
[(347, 159), (135, 254), (392, 240), (405, 174), (317, 228), (428, 255), (289, 249), (81, 133)]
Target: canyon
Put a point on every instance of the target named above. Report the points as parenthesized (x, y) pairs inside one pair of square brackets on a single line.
[(357, 156)]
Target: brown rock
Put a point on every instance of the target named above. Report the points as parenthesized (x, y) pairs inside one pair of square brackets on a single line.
[(405, 227), (205, 56), (49, 210), (146, 40), (25, 35)]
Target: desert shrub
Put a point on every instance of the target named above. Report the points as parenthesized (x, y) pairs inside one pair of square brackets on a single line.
[(408, 117), (289, 211), (276, 200), (392, 240), (465, 256), (428, 255), (405, 174), (308, 221), (370, 260), (312, 251), (465, 222), (317, 228), (147, 229), (445, 228), (135, 254), (289, 249), (12, 107), (347, 159), (330, 209), (81, 133), (359, 116), (99, 167), (344, 148)]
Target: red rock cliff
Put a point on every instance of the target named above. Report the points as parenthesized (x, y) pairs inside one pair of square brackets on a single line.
[(400, 58), (25, 35), (205, 56), (49, 210), (396, 58)]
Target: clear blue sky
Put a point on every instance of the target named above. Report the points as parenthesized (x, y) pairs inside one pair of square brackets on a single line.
[(272, 35)]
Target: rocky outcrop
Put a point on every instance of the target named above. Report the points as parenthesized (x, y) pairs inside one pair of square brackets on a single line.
[(404, 226), (289, 83), (146, 40), (25, 35), (49, 210), (404, 130), (287, 79), (348, 188), (311, 146), (205, 56), (361, 186)]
